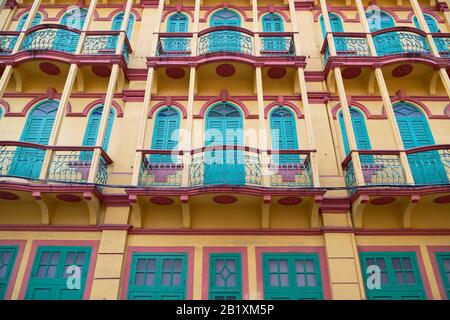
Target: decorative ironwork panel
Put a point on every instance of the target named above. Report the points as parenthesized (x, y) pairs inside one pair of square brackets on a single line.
[(399, 42), (70, 166), (382, 170), (443, 46), (174, 47), (209, 169), (161, 170), (99, 44), (292, 173), (350, 179), (7, 44), (352, 47), (102, 173), (277, 46), (24, 162), (225, 41), (51, 39), (430, 167)]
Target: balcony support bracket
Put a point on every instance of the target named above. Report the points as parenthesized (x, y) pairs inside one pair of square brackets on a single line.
[(136, 215), (44, 206), (93, 204), (315, 210), (409, 208), (186, 211), (265, 212), (358, 209)]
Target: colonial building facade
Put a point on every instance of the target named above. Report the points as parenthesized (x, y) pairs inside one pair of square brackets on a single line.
[(209, 149)]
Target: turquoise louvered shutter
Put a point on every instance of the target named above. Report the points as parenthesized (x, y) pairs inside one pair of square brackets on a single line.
[(431, 23), (117, 24), (273, 23), (225, 17), (336, 26), (74, 18), (178, 22), (164, 133), (386, 21), (91, 133), (359, 129), (283, 134), (36, 20)]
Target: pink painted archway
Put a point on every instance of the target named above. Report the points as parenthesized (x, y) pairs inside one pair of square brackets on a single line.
[(175, 104), (206, 105), (288, 104)]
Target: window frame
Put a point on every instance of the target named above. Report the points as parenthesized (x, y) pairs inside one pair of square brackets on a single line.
[(294, 291), (393, 289), (213, 291)]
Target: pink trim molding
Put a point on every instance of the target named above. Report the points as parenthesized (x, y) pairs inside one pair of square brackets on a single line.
[(37, 243), (17, 262), (416, 250), (110, 17), (213, 101), (273, 9), (360, 107), (227, 6), (340, 13), (290, 249), (432, 250), (244, 266), (190, 269), (168, 102), (177, 9), (92, 105), (281, 102)]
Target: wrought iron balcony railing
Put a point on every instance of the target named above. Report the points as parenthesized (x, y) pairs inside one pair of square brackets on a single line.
[(225, 39), (442, 41), (379, 168), (400, 40), (348, 45), (225, 165), (276, 44), (7, 42), (174, 45), (390, 41), (429, 165), (290, 168), (161, 168), (68, 164), (57, 37)]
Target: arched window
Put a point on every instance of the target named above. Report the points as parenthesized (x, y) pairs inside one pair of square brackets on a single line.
[(74, 18), (117, 24), (225, 17), (359, 128), (283, 133), (178, 22), (426, 167), (91, 133), (431, 23), (224, 127), (36, 20), (27, 162), (378, 20), (335, 21), (272, 22), (167, 121)]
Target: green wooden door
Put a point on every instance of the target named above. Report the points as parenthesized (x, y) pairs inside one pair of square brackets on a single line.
[(225, 279), (8, 256), (158, 276), (400, 277), (292, 276), (49, 279)]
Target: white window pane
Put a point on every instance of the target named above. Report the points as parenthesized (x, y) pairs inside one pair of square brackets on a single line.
[(410, 278), (273, 280), (396, 263), (176, 279), (219, 281), (177, 265), (273, 265), (167, 265), (309, 266), (399, 278), (41, 272), (55, 258), (140, 266), (51, 272), (166, 279), (151, 265), (231, 265), (299, 266), (80, 258), (139, 280), (150, 279), (231, 282), (44, 257), (407, 263), (219, 265)]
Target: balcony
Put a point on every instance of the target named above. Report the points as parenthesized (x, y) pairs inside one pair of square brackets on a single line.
[(67, 164), (226, 165), (429, 165), (388, 42), (62, 39), (228, 40)]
